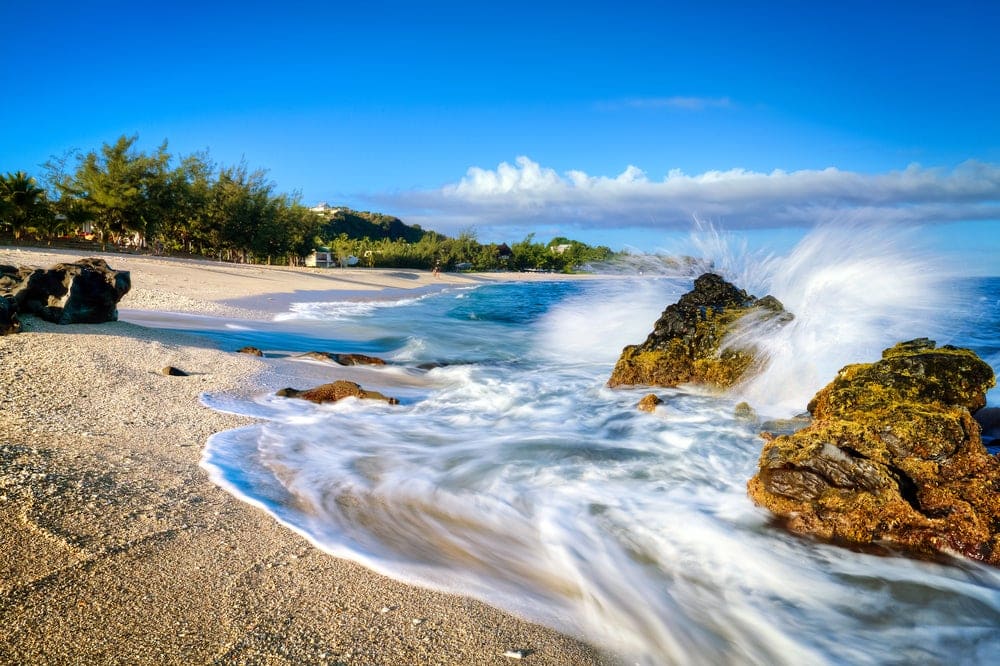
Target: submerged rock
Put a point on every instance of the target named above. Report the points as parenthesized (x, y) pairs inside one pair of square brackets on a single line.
[(786, 426), (85, 291), (356, 359), (744, 412), (335, 391), (252, 351), (649, 402), (433, 365), (686, 344), (343, 359), (893, 455)]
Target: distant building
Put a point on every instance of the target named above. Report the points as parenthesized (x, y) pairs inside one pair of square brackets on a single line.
[(321, 257), (324, 207), (559, 249)]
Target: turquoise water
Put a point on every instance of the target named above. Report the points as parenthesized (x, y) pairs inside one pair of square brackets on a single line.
[(511, 473)]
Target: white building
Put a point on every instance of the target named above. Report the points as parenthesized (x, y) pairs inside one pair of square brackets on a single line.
[(324, 207), (321, 257)]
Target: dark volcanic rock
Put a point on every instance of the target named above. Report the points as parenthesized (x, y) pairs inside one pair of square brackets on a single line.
[(893, 455), (335, 391), (686, 342), (9, 323), (85, 291), (12, 276)]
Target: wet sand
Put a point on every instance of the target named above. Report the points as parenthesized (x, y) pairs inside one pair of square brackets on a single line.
[(115, 548)]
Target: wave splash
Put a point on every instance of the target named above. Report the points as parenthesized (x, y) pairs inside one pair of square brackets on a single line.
[(854, 290), (516, 476)]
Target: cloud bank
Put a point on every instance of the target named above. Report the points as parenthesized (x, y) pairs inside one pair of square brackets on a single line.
[(527, 194)]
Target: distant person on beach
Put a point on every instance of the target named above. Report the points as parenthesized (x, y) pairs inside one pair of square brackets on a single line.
[(437, 269)]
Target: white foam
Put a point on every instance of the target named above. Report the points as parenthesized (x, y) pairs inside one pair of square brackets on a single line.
[(853, 290), (595, 325), (523, 480), (340, 310)]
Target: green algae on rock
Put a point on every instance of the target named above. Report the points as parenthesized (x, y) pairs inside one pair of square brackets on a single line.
[(893, 455), (686, 344), (650, 402)]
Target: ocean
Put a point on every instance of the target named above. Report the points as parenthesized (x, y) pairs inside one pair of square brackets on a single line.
[(509, 472)]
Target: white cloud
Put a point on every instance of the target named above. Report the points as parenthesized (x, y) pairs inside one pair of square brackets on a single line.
[(526, 194)]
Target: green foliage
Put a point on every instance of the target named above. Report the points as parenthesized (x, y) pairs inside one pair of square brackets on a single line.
[(130, 197), (124, 188), (154, 201), (457, 253), (363, 224), (22, 203)]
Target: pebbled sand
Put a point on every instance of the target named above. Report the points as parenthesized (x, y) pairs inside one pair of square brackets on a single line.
[(115, 548)]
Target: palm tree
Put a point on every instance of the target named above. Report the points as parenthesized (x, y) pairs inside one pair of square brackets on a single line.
[(24, 202)]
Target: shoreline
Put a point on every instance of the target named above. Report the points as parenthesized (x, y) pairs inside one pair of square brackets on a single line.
[(253, 291), (115, 547)]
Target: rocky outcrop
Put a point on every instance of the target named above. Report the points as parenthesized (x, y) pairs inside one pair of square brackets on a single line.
[(685, 345), (893, 455), (335, 391), (85, 291)]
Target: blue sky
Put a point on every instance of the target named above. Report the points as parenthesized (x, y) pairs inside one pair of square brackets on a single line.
[(611, 123)]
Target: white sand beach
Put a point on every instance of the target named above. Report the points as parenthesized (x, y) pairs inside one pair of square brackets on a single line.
[(115, 548)]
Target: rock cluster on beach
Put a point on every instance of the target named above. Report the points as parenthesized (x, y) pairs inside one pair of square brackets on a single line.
[(686, 344), (893, 455), (85, 291)]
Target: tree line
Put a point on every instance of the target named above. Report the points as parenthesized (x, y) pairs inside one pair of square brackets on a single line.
[(467, 253), (123, 197)]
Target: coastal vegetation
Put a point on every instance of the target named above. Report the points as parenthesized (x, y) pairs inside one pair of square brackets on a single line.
[(121, 197)]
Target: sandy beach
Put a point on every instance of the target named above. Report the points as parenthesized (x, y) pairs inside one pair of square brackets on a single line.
[(115, 548)]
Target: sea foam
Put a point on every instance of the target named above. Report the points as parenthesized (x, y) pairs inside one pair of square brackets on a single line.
[(854, 291), (512, 473)]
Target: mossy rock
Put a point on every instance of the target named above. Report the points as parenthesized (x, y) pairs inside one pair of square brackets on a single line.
[(686, 344), (915, 372), (650, 402), (893, 455)]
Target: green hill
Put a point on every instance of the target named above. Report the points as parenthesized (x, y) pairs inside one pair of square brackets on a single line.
[(375, 226)]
